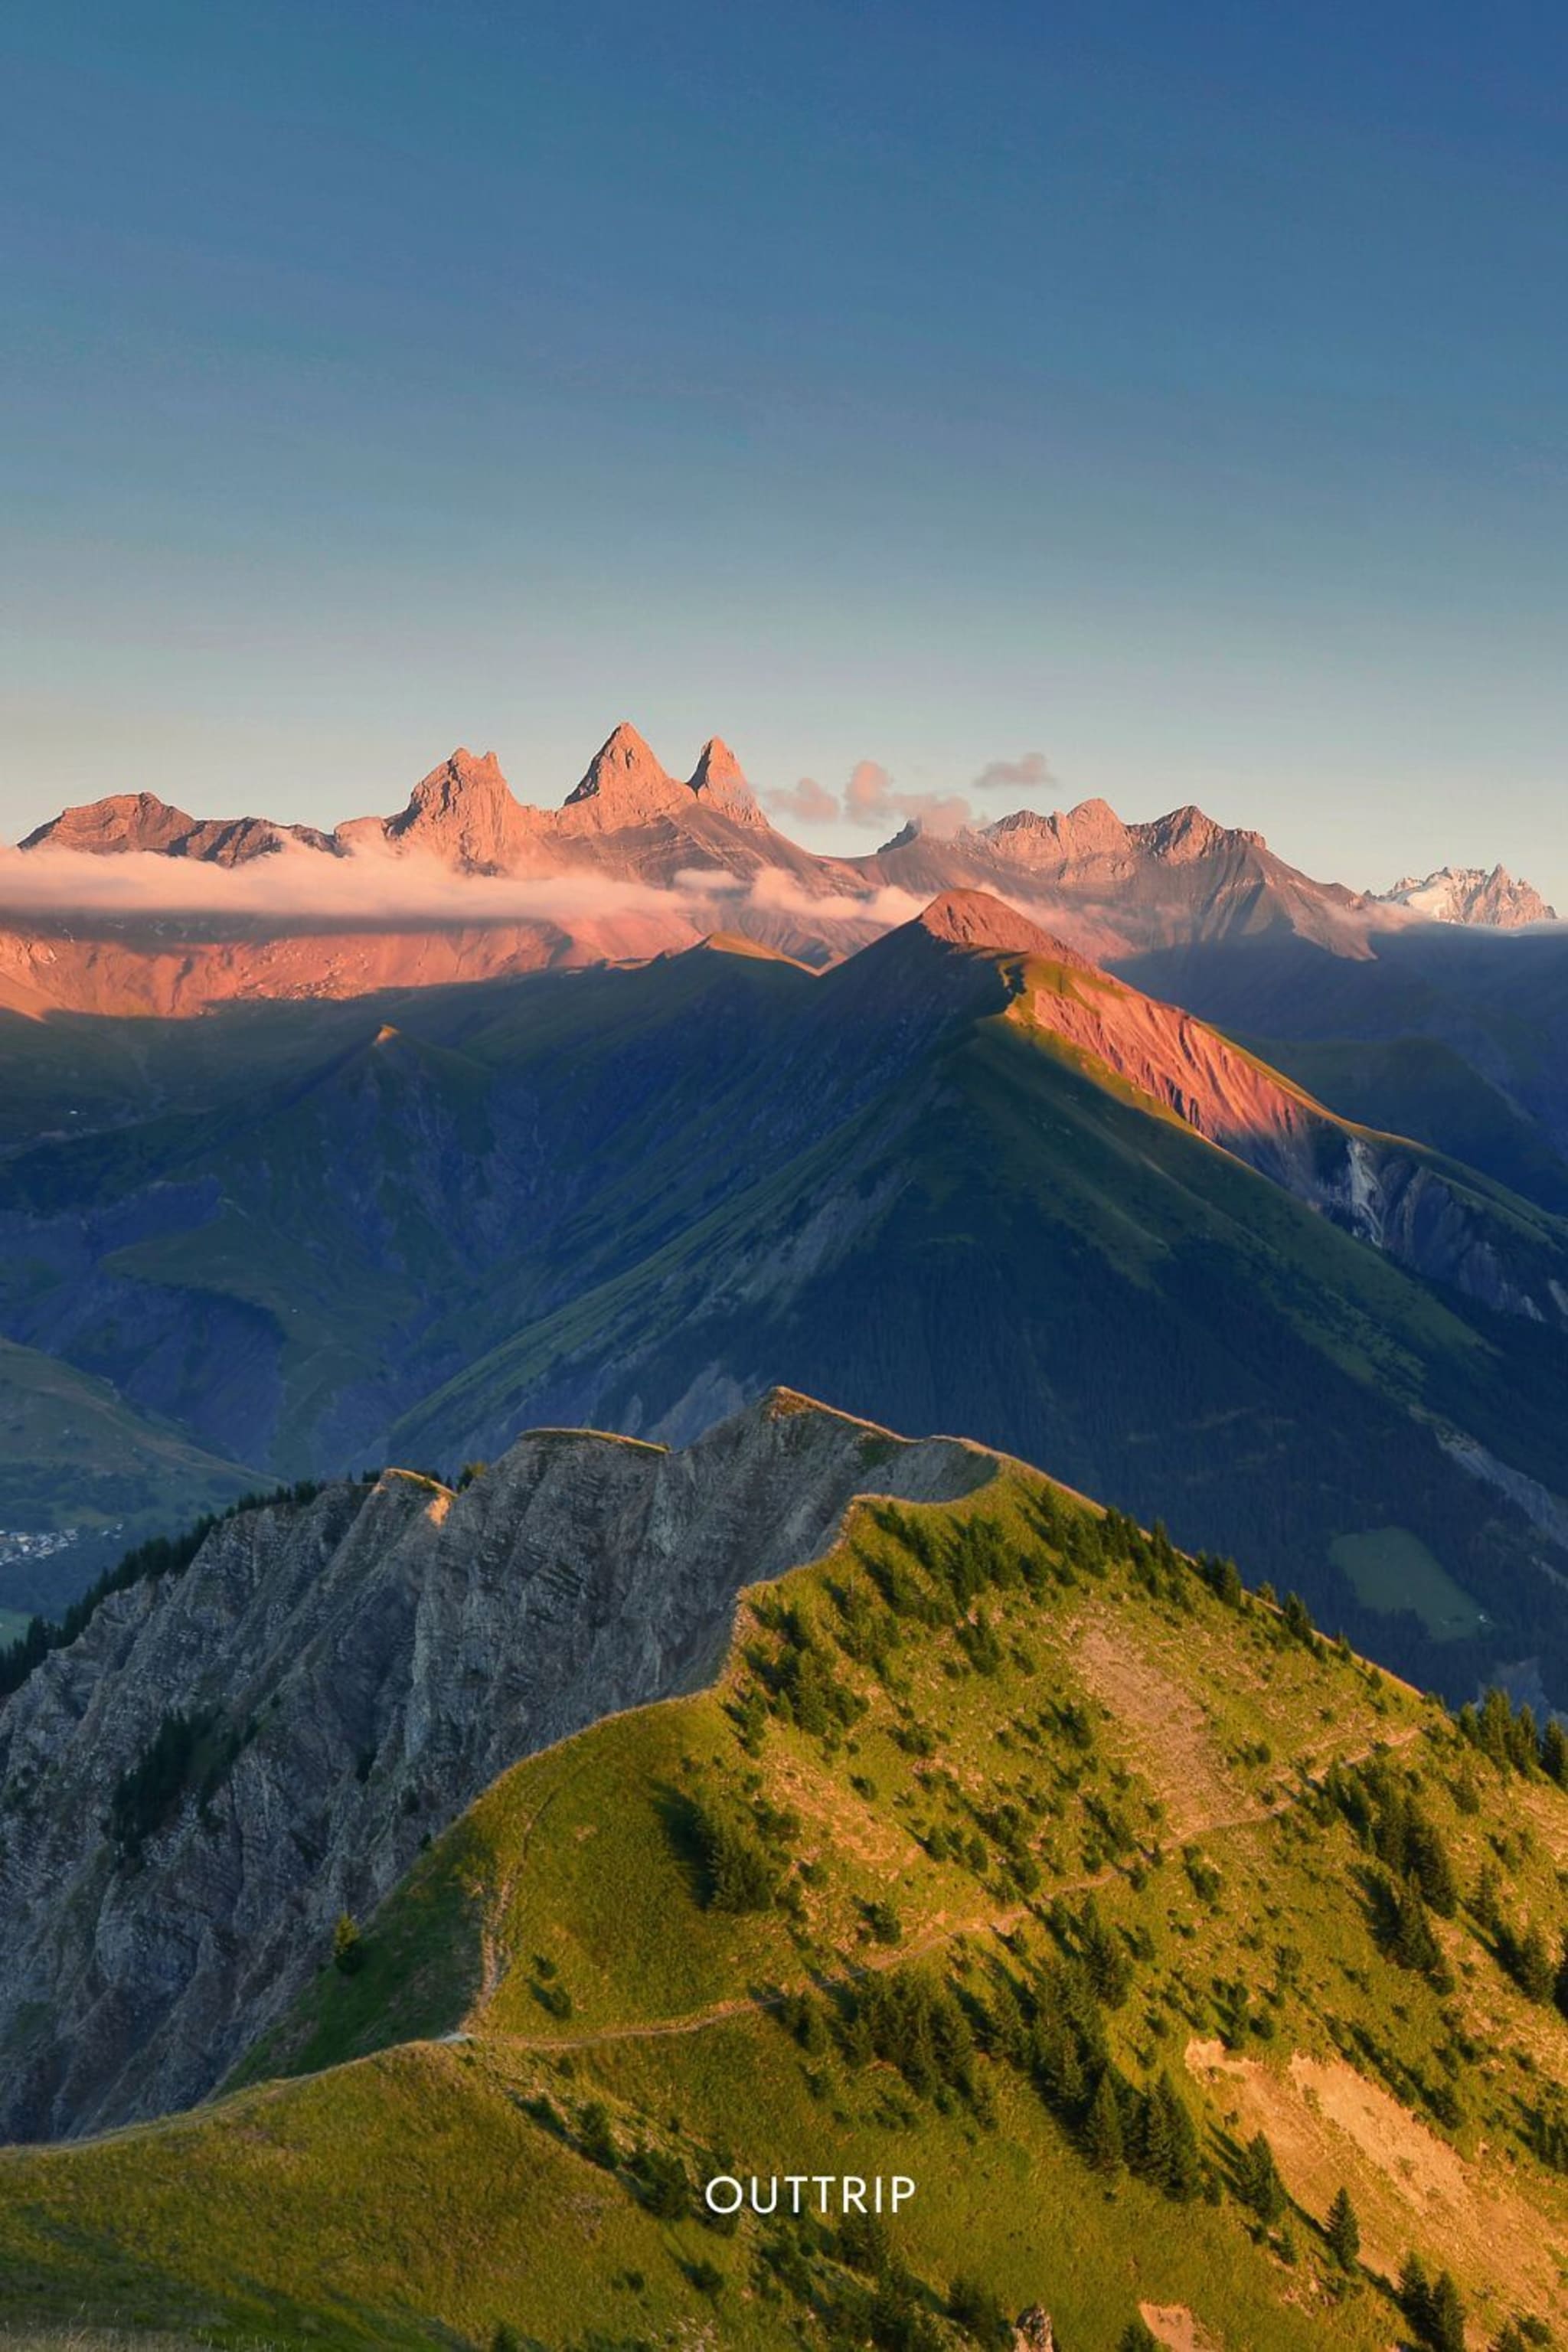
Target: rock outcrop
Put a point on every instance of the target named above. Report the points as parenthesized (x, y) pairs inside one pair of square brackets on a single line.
[(350, 1672)]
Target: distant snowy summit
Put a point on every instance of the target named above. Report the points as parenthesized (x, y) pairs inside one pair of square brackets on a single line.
[(1464, 893)]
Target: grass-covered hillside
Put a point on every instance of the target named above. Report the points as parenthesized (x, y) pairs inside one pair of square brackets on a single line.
[(1205, 1981)]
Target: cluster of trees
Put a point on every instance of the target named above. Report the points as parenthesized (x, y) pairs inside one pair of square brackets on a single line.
[(1434, 2308), (797, 1679), (911, 2019), (1147, 2129), (187, 1754), (1522, 1952), (1548, 2130), (1393, 1825), (1401, 1835), (744, 1852), (1512, 1740)]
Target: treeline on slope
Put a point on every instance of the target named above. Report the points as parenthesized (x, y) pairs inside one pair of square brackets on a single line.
[(847, 2276), (1045, 2021), (1048, 2021), (159, 1555)]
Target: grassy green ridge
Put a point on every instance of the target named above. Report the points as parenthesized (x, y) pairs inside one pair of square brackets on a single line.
[(998, 1802)]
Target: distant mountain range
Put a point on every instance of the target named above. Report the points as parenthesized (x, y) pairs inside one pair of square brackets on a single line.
[(636, 862), (1467, 894)]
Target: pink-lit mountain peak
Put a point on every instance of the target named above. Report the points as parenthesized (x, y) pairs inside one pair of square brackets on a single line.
[(986, 924), (626, 784), (719, 784)]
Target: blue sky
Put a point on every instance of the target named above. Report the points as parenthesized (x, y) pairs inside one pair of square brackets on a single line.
[(1177, 392)]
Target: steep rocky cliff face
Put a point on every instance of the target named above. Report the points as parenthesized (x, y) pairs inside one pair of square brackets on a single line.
[(351, 1673)]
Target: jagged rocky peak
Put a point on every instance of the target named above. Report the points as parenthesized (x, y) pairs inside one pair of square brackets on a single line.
[(1468, 894), (1186, 833), (463, 812), (1093, 829), (123, 821), (625, 784), (466, 781), (1093, 832), (719, 784)]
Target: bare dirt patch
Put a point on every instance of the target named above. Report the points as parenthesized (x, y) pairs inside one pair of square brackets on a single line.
[(1176, 2328), (1331, 2128), (1179, 1755)]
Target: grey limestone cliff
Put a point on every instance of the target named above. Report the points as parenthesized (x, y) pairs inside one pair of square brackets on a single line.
[(351, 1673)]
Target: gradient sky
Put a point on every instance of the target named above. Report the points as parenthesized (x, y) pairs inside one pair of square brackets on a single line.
[(1178, 392)]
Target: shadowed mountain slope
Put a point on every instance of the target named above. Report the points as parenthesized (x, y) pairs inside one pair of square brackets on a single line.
[(963, 1180)]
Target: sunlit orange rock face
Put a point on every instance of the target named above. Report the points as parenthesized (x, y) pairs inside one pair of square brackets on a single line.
[(1179, 1062)]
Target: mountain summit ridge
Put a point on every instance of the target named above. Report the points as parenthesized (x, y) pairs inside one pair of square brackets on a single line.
[(1497, 900), (639, 861)]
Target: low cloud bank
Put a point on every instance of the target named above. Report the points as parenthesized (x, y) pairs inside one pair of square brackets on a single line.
[(371, 888)]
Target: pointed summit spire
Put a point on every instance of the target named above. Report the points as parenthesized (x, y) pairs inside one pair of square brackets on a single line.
[(719, 784), (625, 784)]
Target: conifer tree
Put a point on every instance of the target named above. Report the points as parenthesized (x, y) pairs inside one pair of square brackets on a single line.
[(348, 1946), (1102, 2128), (1446, 2320), (1487, 1904), (1343, 2230), (1171, 2145), (1413, 1944), (1531, 1965), (1415, 2294), (1261, 2186)]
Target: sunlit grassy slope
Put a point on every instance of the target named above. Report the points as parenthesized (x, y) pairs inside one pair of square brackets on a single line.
[(998, 1800)]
